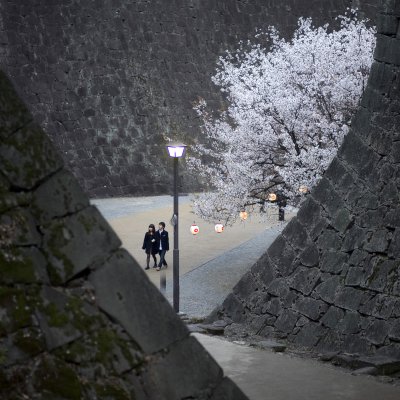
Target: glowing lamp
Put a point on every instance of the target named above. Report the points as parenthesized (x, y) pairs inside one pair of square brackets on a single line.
[(272, 197), (303, 189), (243, 215), (219, 228), (194, 229), (176, 150)]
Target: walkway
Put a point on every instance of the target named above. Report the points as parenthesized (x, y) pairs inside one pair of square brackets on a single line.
[(264, 375), (205, 287)]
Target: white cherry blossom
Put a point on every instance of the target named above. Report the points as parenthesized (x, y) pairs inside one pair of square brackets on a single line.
[(289, 109)]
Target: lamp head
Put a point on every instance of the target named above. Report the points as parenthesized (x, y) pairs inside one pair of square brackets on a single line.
[(176, 150)]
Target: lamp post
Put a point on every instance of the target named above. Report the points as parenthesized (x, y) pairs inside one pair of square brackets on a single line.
[(176, 151), (281, 201)]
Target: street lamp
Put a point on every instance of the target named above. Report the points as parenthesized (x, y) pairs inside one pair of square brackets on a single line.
[(176, 151)]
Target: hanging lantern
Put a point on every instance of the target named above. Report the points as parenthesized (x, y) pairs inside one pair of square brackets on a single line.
[(219, 228), (303, 189), (272, 197), (194, 229), (243, 215)]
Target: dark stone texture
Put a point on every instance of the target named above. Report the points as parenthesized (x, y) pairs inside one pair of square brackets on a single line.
[(77, 242), (327, 290), (115, 286), (339, 290), (311, 308), (79, 317), (194, 379), (108, 80), (332, 317), (304, 280), (287, 321)]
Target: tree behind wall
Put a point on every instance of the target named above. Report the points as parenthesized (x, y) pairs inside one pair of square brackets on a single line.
[(290, 108)]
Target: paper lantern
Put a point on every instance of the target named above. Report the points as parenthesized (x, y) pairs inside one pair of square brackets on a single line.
[(303, 189), (243, 215), (272, 197), (219, 228), (194, 229)]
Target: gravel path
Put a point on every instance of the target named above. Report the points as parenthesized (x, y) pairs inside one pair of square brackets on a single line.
[(205, 287)]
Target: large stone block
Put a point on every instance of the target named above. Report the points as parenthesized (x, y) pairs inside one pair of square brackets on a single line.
[(26, 265), (57, 197), (233, 308), (310, 307), (351, 323), (263, 270), (309, 257), (282, 256), (387, 51), (310, 335), (197, 379), (394, 248), (19, 228), (333, 262), (116, 284), (58, 318), (349, 298), (378, 242), (328, 289), (377, 331), (394, 332), (246, 286), (325, 193), (287, 321), (329, 240), (296, 235), (77, 242), (332, 317), (304, 279)]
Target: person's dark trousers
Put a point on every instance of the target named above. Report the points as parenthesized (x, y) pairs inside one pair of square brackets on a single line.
[(162, 258)]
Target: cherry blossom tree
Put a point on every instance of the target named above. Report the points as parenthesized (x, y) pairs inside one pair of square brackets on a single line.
[(289, 108)]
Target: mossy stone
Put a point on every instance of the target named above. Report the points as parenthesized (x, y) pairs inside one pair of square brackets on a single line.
[(30, 341), (16, 269), (53, 376), (112, 392), (18, 304)]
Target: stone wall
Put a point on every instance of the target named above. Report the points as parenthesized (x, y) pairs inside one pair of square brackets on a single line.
[(331, 280), (79, 317), (108, 79)]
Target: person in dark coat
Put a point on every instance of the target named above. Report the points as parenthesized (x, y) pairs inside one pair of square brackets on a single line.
[(162, 244), (150, 245)]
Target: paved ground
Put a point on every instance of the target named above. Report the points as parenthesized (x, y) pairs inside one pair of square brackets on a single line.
[(264, 375), (206, 286), (130, 218)]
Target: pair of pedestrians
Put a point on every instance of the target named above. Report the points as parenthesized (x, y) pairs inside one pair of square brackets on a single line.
[(156, 242)]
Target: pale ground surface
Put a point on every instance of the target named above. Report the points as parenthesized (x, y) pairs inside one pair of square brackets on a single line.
[(264, 375), (130, 218)]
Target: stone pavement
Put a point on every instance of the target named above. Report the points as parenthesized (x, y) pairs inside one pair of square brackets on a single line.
[(266, 375), (205, 287)]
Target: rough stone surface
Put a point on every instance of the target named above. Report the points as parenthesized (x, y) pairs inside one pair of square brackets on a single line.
[(109, 79), (79, 318), (333, 276)]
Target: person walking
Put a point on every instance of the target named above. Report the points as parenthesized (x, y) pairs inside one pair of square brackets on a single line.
[(150, 245), (162, 244)]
